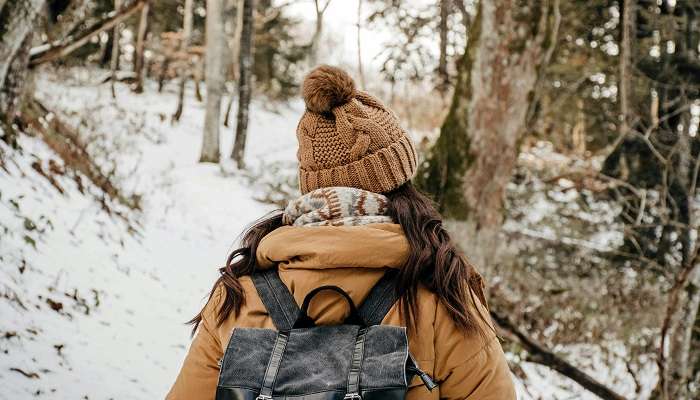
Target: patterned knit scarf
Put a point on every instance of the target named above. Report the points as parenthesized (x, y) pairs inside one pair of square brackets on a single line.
[(337, 206)]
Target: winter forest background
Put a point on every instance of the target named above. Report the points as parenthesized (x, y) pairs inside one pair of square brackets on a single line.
[(560, 138)]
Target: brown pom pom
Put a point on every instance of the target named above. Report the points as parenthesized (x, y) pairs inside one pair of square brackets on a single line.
[(326, 87)]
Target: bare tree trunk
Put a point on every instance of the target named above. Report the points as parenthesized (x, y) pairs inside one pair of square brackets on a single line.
[(626, 32), (16, 22), (471, 163), (114, 64), (235, 55), (359, 44), (186, 33), (230, 15), (198, 71), (245, 83), (12, 93), (674, 353), (139, 63), (236, 40), (316, 38), (675, 367), (215, 77), (466, 18), (163, 73), (443, 77)]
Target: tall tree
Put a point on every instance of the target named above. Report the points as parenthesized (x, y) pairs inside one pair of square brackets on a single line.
[(626, 31), (139, 60), (442, 75), (214, 78), (235, 27), (12, 91), (470, 164), (114, 63), (232, 27), (320, 7), (184, 45), (245, 84), (17, 22)]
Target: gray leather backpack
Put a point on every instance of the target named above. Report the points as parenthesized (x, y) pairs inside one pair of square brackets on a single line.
[(359, 359)]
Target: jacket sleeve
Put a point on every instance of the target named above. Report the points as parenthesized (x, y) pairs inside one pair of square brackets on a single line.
[(469, 366), (200, 371)]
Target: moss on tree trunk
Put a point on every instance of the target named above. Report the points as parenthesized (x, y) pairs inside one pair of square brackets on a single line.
[(441, 174), (470, 164)]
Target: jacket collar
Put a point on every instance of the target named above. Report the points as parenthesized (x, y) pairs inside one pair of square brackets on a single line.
[(329, 247)]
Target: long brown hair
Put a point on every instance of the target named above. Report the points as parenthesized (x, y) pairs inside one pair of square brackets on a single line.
[(433, 261)]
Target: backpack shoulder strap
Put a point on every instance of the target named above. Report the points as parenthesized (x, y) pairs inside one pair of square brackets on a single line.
[(380, 299), (275, 295)]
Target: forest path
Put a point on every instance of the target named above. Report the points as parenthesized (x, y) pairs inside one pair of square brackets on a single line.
[(119, 332)]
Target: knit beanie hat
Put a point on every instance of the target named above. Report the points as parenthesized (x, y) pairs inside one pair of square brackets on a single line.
[(349, 138)]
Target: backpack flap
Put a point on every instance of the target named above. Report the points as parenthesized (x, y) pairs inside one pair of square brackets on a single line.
[(316, 362)]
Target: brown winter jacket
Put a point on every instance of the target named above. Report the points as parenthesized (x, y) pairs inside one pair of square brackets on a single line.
[(354, 258)]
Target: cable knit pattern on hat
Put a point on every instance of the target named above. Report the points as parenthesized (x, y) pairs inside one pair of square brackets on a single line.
[(349, 138)]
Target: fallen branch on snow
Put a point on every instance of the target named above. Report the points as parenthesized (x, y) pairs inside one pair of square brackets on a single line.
[(540, 355), (67, 144)]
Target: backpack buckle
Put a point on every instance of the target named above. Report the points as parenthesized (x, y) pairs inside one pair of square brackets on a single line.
[(352, 396)]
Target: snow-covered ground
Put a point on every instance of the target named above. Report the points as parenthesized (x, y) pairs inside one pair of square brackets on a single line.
[(92, 306), (121, 299)]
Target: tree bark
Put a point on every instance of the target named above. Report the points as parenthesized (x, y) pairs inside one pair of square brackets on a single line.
[(471, 163), (114, 63), (443, 77), (16, 22), (184, 44), (675, 350), (235, 47), (230, 27), (245, 83), (13, 92), (214, 79), (626, 32), (236, 40), (139, 61)]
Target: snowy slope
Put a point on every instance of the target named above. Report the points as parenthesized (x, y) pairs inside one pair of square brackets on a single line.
[(119, 333)]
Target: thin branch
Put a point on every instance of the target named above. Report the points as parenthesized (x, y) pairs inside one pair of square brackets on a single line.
[(572, 243), (44, 54), (466, 17), (670, 308), (325, 6), (693, 183)]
